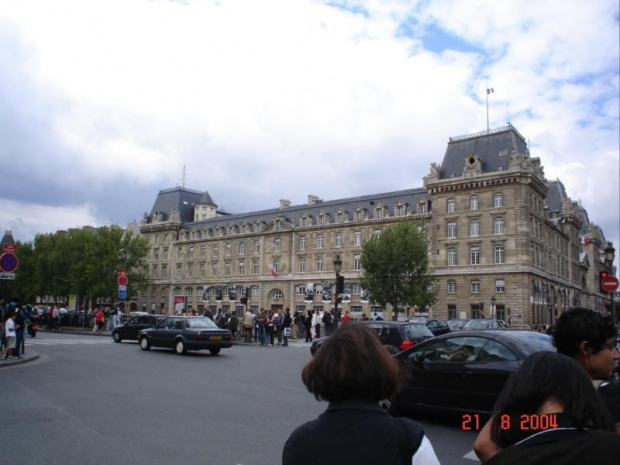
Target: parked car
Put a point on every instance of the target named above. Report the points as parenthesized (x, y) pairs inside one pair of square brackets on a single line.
[(183, 333), (394, 335), (134, 325), (456, 324), (464, 371), (481, 323), (436, 326)]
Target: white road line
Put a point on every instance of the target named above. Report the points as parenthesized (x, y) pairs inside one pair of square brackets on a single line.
[(471, 455)]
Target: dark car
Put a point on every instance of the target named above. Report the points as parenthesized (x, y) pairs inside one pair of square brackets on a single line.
[(481, 323), (395, 336), (436, 326), (134, 325), (456, 324), (183, 333), (464, 371)]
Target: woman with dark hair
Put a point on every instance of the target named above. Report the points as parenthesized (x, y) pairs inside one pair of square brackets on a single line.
[(353, 372), (548, 412)]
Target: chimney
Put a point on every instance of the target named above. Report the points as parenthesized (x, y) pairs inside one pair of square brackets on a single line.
[(313, 199), (284, 203)]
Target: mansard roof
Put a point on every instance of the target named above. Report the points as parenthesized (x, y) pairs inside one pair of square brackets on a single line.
[(177, 198), (331, 207), (494, 148), (556, 194)]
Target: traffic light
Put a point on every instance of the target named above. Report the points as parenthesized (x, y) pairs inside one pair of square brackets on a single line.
[(601, 276), (339, 284)]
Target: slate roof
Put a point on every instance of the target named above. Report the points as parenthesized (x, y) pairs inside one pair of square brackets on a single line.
[(178, 198), (493, 148), (556, 194)]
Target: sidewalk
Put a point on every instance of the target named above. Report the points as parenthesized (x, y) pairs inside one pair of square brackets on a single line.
[(28, 356)]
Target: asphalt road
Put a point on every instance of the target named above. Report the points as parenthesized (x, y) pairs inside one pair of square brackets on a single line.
[(87, 400)]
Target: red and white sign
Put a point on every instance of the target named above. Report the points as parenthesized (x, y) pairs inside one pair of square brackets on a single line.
[(10, 248), (122, 279), (609, 283)]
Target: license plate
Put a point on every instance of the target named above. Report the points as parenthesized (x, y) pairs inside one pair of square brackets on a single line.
[(216, 338)]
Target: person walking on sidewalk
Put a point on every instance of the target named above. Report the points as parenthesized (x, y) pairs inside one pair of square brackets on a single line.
[(286, 326)]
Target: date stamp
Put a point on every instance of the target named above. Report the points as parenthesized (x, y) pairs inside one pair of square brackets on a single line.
[(524, 422)]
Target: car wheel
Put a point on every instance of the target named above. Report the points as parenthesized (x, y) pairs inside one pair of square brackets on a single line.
[(117, 336), (215, 351), (144, 343), (179, 347)]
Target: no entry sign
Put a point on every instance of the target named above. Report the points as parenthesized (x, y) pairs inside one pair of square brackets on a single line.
[(609, 283)]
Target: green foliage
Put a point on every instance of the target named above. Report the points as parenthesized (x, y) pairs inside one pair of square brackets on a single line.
[(80, 261), (395, 267)]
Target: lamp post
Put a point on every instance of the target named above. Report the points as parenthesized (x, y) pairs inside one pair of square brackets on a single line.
[(610, 255), (337, 268), (493, 307)]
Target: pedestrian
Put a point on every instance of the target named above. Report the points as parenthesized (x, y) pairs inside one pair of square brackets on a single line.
[(261, 324), (353, 372), (233, 325), (9, 333), (271, 331), (20, 325), (277, 326), (316, 324), (551, 391), (308, 325), (286, 326), (346, 319), (328, 323), (248, 325)]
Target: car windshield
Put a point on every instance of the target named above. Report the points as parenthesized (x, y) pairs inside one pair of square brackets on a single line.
[(200, 322), (414, 331), (535, 342)]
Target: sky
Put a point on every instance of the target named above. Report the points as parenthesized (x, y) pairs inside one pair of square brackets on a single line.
[(104, 103)]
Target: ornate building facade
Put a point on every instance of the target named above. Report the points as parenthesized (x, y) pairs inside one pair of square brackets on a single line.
[(504, 242)]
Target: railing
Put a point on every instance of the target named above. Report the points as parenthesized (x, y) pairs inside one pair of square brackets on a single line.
[(510, 127)]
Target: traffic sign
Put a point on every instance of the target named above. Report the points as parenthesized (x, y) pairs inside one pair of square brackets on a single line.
[(7, 276), (9, 248), (122, 279), (122, 292), (609, 283), (8, 262)]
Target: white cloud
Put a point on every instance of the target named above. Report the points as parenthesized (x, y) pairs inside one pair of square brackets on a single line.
[(252, 96)]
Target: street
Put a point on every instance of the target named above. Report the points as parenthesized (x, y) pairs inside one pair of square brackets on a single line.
[(89, 400)]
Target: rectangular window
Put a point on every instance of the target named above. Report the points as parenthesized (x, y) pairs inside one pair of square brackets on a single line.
[(500, 312), (254, 267), (475, 287), (451, 230), (302, 265), (191, 253), (155, 254), (452, 312), (380, 213), (451, 205), (278, 245), (499, 254), (215, 251), (241, 248), (319, 242), (498, 226), (474, 228), (498, 200), (276, 266), (165, 254), (214, 269), (475, 256), (357, 238), (500, 286), (357, 263), (473, 202), (203, 270), (227, 268), (178, 271), (452, 259), (179, 254), (338, 240), (228, 249), (302, 243), (190, 270), (451, 287), (476, 311), (164, 271), (203, 252), (241, 268), (155, 271), (422, 208), (319, 264)]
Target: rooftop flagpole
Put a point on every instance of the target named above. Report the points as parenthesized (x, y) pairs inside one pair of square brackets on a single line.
[(490, 90)]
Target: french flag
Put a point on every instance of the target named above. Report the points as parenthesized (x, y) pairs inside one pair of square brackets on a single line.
[(274, 273), (490, 90)]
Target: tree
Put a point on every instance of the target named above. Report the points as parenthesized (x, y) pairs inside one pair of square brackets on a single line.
[(395, 267)]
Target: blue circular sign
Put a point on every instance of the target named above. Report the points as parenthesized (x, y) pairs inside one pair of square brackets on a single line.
[(8, 262)]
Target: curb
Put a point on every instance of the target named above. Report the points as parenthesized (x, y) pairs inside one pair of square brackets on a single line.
[(29, 357)]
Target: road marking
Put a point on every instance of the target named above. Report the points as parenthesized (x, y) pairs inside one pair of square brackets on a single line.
[(471, 455), (51, 342)]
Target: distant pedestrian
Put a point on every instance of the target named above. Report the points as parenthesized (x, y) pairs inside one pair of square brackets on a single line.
[(9, 332), (346, 319), (248, 325), (316, 324), (286, 326), (328, 322), (20, 325), (233, 325), (308, 325)]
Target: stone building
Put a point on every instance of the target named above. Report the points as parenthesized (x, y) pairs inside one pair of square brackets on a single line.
[(504, 242)]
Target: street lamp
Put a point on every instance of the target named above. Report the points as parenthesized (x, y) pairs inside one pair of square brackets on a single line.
[(610, 255), (493, 307), (339, 286)]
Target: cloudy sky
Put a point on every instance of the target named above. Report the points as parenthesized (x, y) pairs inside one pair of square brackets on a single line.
[(102, 103)]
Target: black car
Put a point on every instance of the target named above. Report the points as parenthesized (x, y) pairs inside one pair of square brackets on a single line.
[(436, 326), (183, 333), (395, 336), (134, 325), (464, 371)]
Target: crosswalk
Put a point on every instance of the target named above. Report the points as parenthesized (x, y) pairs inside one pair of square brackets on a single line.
[(69, 341)]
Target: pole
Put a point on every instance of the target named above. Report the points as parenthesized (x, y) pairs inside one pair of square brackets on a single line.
[(487, 91)]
